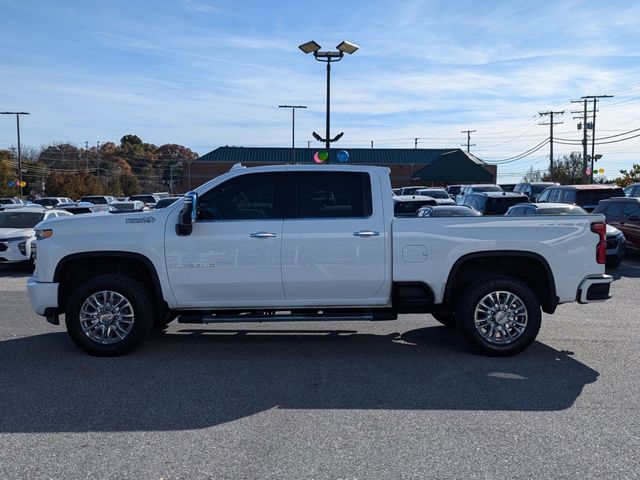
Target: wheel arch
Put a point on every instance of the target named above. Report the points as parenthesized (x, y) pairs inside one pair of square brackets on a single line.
[(78, 267), (529, 267)]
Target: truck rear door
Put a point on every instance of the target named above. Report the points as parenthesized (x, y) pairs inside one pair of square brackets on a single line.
[(334, 239)]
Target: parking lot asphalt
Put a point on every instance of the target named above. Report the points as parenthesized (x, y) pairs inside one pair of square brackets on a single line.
[(404, 399)]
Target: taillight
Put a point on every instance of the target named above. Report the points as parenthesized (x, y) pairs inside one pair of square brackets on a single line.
[(601, 249)]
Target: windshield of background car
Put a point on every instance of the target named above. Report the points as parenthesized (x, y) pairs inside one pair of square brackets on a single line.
[(454, 190), (435, 193), (488, 188), (592, 197), (20, 219), (535, 189), (95, 200), (143, 198)]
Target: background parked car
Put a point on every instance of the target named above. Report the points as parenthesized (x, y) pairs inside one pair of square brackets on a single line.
[(12, 201), (76, 208), (408, 205), (493, 203), (454, 190), (149, 201), (410, 190), (98, 199), (17, 231), (447, 211), (440, 195), (507, 187), (532, 189), (624, 214), (129, 206), (50, 202), (585, 196), (476, 188)]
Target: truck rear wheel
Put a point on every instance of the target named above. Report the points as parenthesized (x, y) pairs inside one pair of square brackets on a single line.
[(109, 315), (499, 315)]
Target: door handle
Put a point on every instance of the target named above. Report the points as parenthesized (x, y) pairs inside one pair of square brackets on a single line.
[(366, 233), (263, 235)]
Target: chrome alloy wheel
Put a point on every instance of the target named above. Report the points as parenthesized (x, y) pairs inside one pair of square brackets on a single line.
[(501, 317), (106, 317)]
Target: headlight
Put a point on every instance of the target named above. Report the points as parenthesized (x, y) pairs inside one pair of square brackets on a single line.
[(43, 233)]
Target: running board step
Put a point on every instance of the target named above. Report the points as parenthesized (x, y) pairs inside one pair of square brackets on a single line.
[(200, 318)]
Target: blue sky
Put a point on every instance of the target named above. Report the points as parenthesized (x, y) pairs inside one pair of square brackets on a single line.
[(205, 73)]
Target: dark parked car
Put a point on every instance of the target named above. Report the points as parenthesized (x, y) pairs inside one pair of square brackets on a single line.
[(477, 188), (454, 190), (507, 187), (532, 189), (493, 203), (624, 214), (615, 238), (149, 201), (447, 211), (410, 190), (408, 205), (585, 196)]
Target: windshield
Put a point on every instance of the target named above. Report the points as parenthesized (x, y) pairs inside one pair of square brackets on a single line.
[(46, 202), (20, 219), (539, 188), (458, 212), (434, 193), (488, 188)]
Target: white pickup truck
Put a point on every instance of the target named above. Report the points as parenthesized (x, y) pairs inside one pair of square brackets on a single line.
[(310, 243)]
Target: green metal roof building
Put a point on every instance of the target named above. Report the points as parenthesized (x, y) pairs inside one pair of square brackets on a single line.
[(430, 166)]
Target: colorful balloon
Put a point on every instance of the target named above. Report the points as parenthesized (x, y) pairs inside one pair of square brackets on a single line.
[(343, 156)]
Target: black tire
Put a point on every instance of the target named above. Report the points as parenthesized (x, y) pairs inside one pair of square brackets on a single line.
[(138, 299), (477, 335), (448, 319)]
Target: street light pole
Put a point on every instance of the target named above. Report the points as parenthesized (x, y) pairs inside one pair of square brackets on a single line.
[(293, 128), (17, 114), (328, 57)]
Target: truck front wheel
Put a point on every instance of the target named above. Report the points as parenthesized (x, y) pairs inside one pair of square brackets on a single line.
[(109, 315), (499, 315)]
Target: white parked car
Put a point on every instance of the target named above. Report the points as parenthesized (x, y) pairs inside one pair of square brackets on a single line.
[(440, 195), (17, 231)]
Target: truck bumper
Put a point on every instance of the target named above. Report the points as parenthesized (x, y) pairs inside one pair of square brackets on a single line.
[(594, 288), (42, 295)]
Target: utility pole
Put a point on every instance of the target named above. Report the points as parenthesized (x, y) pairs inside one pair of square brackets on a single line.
[(469, 145), (293, 127), (595, 99), (588, 160), (308, 143), (86, 154), (372, 144), (551, 124), (17, 114), (585, 176), (415, 142), (98, 157)]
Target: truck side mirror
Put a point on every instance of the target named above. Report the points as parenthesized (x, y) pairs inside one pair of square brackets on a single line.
[(188, 215)]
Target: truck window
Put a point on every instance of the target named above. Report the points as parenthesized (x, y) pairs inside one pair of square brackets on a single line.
[(333, 194), (247, 197)]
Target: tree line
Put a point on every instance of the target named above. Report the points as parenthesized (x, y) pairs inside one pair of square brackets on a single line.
[(124, 169), (568, 171)]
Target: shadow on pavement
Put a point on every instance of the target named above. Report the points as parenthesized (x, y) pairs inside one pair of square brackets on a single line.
[(199, 378), (15, 270)]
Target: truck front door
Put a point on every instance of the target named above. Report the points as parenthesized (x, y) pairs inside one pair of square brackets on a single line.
[(233, 256)]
